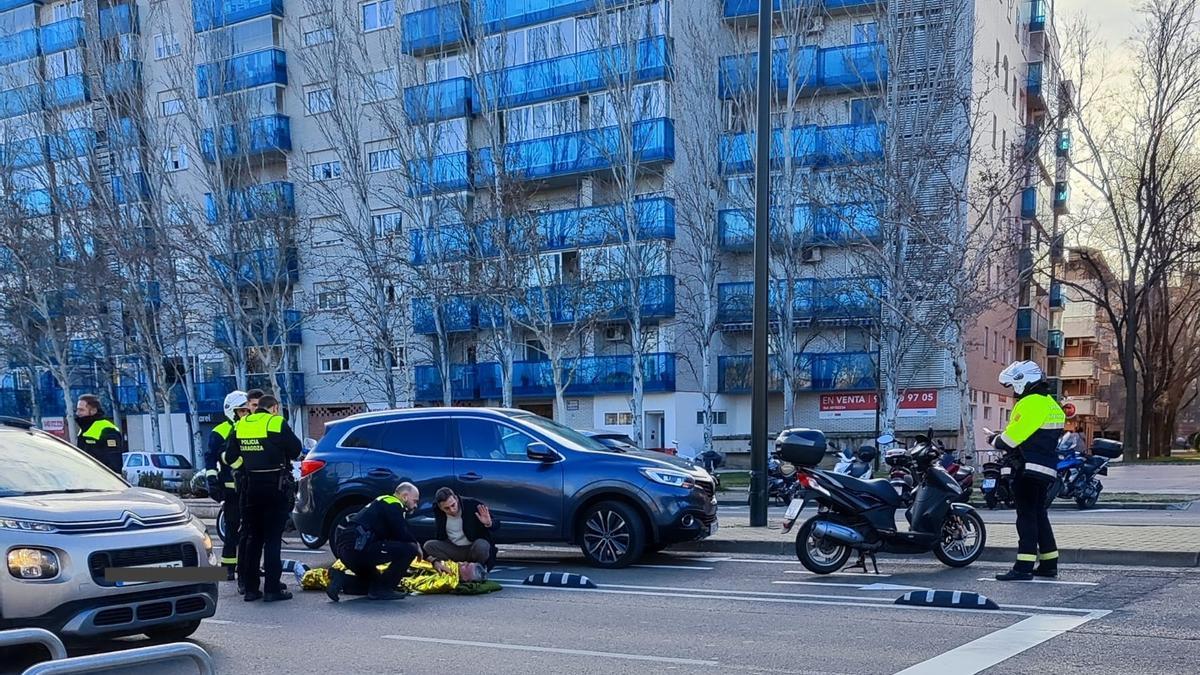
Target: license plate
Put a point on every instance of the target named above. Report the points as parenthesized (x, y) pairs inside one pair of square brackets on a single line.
[(989, 483), (169, 563), (712, 529), (794, 508)]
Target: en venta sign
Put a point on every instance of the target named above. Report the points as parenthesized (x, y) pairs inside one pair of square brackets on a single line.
[(915, 403)]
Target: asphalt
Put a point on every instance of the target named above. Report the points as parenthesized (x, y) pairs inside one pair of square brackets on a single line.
[(723, 614)]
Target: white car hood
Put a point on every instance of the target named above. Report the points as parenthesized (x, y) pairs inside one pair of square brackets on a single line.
[(86, 507)]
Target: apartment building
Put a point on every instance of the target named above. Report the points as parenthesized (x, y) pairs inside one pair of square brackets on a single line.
[(1088, 358), (584, 114)]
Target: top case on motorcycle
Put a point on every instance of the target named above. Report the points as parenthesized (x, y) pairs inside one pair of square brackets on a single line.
[(881, 488)]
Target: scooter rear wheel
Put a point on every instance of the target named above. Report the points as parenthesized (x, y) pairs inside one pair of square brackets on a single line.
[(819, 555)]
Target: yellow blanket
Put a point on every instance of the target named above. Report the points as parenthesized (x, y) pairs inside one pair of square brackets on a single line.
[(423, 578)]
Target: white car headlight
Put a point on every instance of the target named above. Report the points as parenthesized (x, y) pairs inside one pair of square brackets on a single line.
[(33, 563), (26, 525), (670, 477)]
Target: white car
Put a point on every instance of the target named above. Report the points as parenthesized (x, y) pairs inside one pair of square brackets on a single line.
[(176, 470)]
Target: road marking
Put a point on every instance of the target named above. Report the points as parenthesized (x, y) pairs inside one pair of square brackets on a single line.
[(1048, 581), (838, 574), (861, 587), (219, 622), (553, 650), (305, 551), (672, 567), (985, 652), (712, 560)]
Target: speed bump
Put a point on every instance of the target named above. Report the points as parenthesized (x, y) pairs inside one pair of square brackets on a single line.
[(559, 579), (955, 599)]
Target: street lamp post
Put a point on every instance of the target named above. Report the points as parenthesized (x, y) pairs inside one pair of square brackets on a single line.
[(762, 243)]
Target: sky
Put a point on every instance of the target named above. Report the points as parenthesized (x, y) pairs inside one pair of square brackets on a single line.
[(1114, 19)]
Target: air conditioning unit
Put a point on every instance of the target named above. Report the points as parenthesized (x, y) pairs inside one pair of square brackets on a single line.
[(810, 254), (614, 334)]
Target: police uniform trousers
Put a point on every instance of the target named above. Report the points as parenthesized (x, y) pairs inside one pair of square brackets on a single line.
[(265, 510), (399, 555), (1034, 533), (233, 528)]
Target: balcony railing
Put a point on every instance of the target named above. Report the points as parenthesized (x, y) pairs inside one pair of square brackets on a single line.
[(62, 35), (807, 146), (836, 371), (1054, 343), (264, 332), (290, 385), (444, 173), (1032, 326), (66, 91), (1034, 81), (266, 66), (584, 376), (847, 299), (1037, 15), (797, 70), (258, 136), (441, 100), (262, 266), (463, 385), (584, 152), (500, 15), (1062, 197), (748, 9), (1063, 145), (810, 225), (21, 100), (1031, 203), (457, 314), (121, 77), (131, 189), (118, 20), (67, 198), (265, 201), (1079, 369), (434, 28), (600, 300), (24, 153), (1057, 301), (210, 14), (854, 66), (19, 46)]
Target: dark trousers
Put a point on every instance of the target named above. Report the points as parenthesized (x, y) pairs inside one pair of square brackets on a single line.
[(233, 528), (398, 554), (265, 509), (1034, 534)]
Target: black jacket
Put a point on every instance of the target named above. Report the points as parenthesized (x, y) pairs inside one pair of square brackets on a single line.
[(262, 442), (472, 528), (104, 442), (386, 520)]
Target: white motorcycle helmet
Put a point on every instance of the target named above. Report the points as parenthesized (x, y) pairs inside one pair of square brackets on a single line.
[(1021, 375), (233, 401)]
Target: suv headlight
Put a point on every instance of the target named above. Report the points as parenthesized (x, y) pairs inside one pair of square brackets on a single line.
[(670, 477), (33, 563), (26, 525)]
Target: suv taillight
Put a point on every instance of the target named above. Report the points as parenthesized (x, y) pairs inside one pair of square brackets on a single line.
[(311, 466)]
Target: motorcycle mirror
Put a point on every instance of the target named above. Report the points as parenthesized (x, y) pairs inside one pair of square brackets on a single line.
[(309, 444), (886, 439)]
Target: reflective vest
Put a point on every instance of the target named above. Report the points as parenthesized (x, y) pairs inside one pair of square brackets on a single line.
[(251, 434), (1036, 425), (223, 471), (98, 428)]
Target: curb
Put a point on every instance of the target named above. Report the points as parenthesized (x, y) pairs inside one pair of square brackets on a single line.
[(1064, 506), (787, 547)]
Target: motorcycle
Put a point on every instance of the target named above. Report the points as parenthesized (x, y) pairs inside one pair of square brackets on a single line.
[(963, 474), (860, 515), (781, 481), (856, 464), (997, 485), (1078, 471), (900, 476)]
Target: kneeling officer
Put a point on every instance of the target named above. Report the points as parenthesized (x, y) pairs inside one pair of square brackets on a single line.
[(376, 535)]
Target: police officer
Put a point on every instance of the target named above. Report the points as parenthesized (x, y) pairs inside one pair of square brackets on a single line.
[(260, 453), (98, 436), (1032, 433), (221, 486), (376, 535)]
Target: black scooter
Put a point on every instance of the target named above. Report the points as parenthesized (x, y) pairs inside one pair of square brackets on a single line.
[(860, 515)]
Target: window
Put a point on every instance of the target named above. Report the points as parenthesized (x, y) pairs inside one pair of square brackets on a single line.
[(72, 9), (618, 419), (316, 29), (382, 157), (396, 356), (862, 110), (324, 171), (331, 360), (380, 86), (551, 40), (445, 137), (377, 15), (386, 224), (993, 131), (136, 460), (540, 121), (170, 103), (62, 64), (166, 45), (330, 295), (987, 412), (318, 99), (649, 102), (865, 32), (176, 158), (718, 417), (484, 439), (1005, 78), (415, 438), (444, 67), (366, 436), (620, 25)]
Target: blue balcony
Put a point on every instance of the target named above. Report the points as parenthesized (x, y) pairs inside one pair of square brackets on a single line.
[(6, 5), (809, 224), (210, 14), (263, 201), (66, 91), (1032, 326), (1034, 82), (131, 189), (748, 9), (34, 203), (1062, 145), (602, 300), (1031, 203), (266, 266), (442, 100), (1055, 342), (447, 243), (1062, 197), (16, 402), (62, 35), (458, 314), (210, 396), (24, 153), (19, 46), (428, 382), (798, 70), (123, 133), (499, 15), (74, 143), (267, 66), (583, 152), (1057, 299), (435, 28), (813, 372), (444, 173), (1037, 15), (21, 100), (265, 332), (117, 20), (807, 146), (122, 76), (260, 136), (584, 376), (854, 66), (838, 301), (589, 226), (576, 74)]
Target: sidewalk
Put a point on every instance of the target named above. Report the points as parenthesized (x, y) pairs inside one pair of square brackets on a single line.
[(741, 497)]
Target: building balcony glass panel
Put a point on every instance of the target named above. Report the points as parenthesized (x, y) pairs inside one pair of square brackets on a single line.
[(601, 300), (6, 5), (290, 386), (62, 35), (591, 226), (798, 71), (276, 199), (1062, 197), (584, 376), (117, 20), (16, 402), (19, 46), (24, 153), (1063, 145), (576, 74), (209, 14), (65, 91), (833, 371), (1034, 81), (1032, 325), (259, 136), (131, 189), (748, 9), (67, 198), (448, 243), (442, 100), (445, 173), (258, 267), (266, 66), (584, 151), (427, 381), (500, 15), (74, 143), (1037, 15), (1031, 203), (1057, 300), (810, 225), (1054, 345), (262, 332), (435, 28), (123, 133), (21, 100), (854, 66), (457, 314), (807, 146), (122, 76), (852, 300)]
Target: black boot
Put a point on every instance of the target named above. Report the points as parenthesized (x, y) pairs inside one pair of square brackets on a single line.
[(278, 596), (337, 580), (385, 594), (230, 573), (1047, 569), (1015, 575)]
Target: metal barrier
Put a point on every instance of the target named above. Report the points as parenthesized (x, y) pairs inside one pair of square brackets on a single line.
[(30, 636), (130, 657)]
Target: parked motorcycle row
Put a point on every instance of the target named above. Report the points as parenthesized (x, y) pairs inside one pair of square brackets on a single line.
[(1077, 477)]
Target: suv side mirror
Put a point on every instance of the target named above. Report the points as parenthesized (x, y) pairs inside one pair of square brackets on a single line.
[(541, 452)]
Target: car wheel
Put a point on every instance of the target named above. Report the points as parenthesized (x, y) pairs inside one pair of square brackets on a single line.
[(173, 633), (338, 520), (221, 523), (612, 535)]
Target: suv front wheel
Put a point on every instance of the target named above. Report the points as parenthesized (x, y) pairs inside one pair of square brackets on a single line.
[(612, 535)]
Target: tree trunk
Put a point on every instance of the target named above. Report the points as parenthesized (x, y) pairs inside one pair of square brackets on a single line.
[(966, 420), (1131, 434)]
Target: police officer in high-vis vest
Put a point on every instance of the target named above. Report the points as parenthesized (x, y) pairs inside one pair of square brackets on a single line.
[(221, 486), (98, 436), (1032, 433), (260, 453)]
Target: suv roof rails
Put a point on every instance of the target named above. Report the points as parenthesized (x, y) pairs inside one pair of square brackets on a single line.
[(15, 422)]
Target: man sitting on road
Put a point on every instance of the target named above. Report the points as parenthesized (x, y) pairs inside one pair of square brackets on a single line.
[(464, 530)]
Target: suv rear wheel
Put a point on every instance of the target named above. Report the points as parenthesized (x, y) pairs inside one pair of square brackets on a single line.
[(339, 520), (612, 535)]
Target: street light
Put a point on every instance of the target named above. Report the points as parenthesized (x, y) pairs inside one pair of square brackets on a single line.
[(762, 243)]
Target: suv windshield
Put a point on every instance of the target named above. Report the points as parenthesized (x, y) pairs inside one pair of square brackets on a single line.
[(170, 461), (34, 465), (562, 434)]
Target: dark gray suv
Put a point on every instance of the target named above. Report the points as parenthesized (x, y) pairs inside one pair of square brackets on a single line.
[(543, 481)]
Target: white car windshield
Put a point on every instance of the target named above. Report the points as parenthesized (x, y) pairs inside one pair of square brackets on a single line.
[(40, 466)]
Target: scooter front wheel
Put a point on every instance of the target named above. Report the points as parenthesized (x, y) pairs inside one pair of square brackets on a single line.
[(819, 555), (962, 539)]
